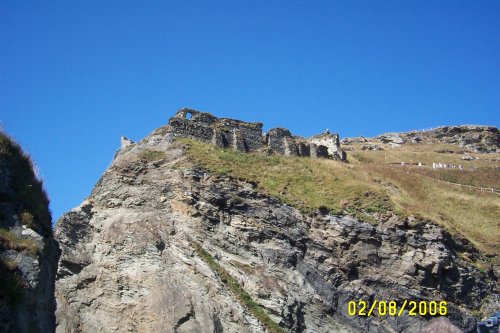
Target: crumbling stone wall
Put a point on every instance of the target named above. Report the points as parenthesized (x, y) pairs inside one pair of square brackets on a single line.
[(247, 137), (193, 124), (331, 142), (325, 145), (223, 132), (275, 139)]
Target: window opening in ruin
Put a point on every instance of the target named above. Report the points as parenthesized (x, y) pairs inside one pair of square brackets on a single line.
[(188, 115)]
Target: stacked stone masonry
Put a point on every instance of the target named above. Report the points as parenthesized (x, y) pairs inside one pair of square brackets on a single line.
[(248, 137)]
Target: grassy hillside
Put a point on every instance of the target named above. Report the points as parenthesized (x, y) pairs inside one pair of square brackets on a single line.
[(371, 187), (422, 190), (305, 183)]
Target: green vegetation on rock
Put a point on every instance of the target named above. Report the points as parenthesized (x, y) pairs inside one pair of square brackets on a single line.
[(370, 186), (28, 189), (470, 213), (152, 155), (10, 241), (243, 297), (305, 183)]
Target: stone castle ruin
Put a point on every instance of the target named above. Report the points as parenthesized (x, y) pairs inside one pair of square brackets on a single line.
[(248, 137)]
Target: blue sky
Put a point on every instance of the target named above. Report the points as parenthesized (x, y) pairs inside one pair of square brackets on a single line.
[(76, 75)]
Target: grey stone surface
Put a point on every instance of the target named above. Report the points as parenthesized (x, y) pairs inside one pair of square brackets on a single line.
[(479, 139), (350, 141), (125, 142), (440, 325), (331, 142), (393, 139)]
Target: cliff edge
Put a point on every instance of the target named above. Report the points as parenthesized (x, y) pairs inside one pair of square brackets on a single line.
[(28, 253)]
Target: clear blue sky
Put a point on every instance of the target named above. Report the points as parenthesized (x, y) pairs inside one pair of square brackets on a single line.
[(76, 75)]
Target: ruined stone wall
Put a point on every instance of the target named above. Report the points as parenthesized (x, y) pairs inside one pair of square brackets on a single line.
[(247, 137), (275, 139), (280, 140), (331, 142), (193, 124), (240, 135), (223, 132)]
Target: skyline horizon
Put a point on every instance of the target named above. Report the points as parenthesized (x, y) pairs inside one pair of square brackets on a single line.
[(74, 77), (39, 173)]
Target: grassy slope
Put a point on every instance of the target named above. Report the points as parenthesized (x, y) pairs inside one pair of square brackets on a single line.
[(369, 185), (471, 213), (305, 183)]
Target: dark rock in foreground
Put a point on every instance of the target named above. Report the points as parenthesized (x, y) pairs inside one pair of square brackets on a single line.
[(28, 253)]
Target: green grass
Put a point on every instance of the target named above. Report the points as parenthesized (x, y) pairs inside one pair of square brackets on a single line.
[(468, 213), (243, 297), (305, 183), (370, 184), (152, 155), (484, 177), (10, 241), (34, 203), (27, 219)]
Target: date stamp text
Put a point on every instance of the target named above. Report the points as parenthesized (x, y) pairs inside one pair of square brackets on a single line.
[(397, 309)]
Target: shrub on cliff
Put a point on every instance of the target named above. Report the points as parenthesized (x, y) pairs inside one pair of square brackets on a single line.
[(29, 193)]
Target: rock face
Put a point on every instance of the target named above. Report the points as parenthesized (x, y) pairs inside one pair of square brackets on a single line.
[(479, 139), (28, 254), (128, 262)]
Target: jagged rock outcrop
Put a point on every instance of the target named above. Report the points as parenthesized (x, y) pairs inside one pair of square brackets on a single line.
[(479, 139), (128, 262), (28, 254)]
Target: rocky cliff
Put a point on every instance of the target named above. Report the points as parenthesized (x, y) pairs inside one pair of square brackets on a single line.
[(479, 139), (161, 245), (28, 253)]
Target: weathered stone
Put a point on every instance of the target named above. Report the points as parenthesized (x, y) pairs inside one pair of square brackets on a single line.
[(479, 139), (239, 142), (440, 325), (350, 141), (276, 139), (330, 141), (125, 142), (391, 138), (371, 147), (290, 147), (223, 132), (304, 149), (248, 137)]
